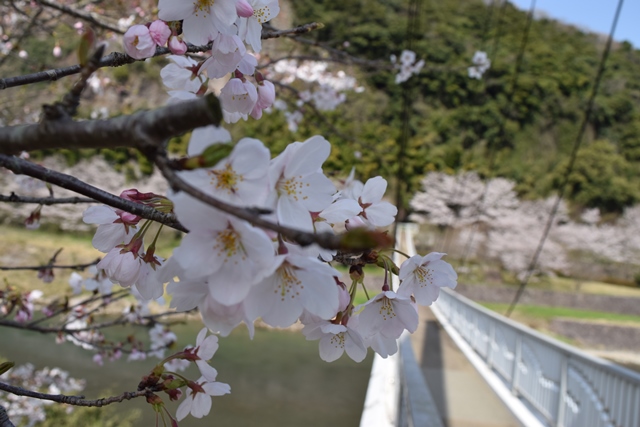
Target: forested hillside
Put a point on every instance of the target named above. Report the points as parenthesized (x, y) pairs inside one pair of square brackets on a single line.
[(519, 126), (460, 123)]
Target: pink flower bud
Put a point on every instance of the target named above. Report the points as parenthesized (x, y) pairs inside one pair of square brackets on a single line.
[(266, 94), (57, 51), (46, 274), (160, 32), (135, 196), (354, 222), (244, 9), (344, 298), (177, 46)]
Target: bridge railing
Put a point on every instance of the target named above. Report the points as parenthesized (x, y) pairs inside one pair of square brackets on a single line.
[(561, 385)]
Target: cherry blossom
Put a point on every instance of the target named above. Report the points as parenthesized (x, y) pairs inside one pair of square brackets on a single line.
[(298, 283), (115, 227), (377, 212), (424, 276), (202, 19), (250, 29), (197, 401), (206, 347), (388, 314), (181, 74), (138, 42), (160, 32), (300, 185), (228, 253), (222, 319), (75, 281), (121, 266), (335, 340), (481, 64), (238, 96), (226, 53), (240, 179)]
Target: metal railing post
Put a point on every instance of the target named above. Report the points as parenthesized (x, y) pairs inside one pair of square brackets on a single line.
[(564, 370), (515, 373)]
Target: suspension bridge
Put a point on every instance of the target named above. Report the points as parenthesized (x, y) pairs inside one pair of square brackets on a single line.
[(467, 366)]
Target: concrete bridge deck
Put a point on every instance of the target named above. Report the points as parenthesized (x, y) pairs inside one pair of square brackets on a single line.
[(463, 397)]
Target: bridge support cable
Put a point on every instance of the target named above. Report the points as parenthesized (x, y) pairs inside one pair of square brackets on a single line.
[(572, 160)]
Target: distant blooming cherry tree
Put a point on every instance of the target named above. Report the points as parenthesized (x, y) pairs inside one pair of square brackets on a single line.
[(262, 233)]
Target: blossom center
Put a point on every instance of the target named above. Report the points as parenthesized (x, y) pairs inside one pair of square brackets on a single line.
[(292, 187), (262, 15), (227, 244), (338, 340), (424, 276), (290, 285), (203, 6), (226, 179), (386, 309)]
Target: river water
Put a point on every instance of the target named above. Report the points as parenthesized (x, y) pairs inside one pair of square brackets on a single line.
[(277, 379)]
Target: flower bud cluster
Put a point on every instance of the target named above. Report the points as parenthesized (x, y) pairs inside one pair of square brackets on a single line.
[(228, 25)]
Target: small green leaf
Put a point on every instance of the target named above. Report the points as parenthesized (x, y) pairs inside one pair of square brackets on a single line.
[(4, 367), (87, 44)]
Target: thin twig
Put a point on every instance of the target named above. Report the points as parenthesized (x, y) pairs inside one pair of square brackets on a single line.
[(75, 400), (62, 267), (136, 130), (24, 167), (92, 18), (117, 59), (14, 198), (272, 33)]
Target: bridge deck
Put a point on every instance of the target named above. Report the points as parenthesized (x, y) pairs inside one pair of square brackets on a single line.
[(463, 397)]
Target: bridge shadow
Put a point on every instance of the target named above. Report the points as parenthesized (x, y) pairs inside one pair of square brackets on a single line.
[(432, 365), (461, 395)]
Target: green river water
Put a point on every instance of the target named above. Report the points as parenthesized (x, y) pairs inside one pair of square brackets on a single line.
[(277, 379)]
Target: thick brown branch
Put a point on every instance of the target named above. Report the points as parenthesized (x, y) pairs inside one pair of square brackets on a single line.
[(134, 130), (75, 400), (24, 167)]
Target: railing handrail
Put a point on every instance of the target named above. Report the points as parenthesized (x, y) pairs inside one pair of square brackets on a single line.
[(559, 345)]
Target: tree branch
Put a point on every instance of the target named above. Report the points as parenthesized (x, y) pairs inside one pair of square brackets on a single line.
[(24, 167), (70, 267), (117, 59), (75, 400), (14, 198), (135, 130), (4, 418), (85, 16), (272, 33)]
